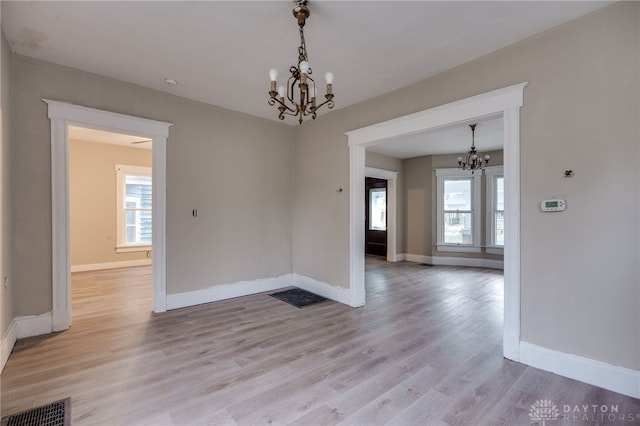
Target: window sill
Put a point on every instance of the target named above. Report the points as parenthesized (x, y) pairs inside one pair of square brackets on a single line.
[(495, 250), (460, 248), (131, 249)]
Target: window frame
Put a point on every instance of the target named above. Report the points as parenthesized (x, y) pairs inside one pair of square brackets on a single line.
[(122, 171), (491, 174), (476, 182)]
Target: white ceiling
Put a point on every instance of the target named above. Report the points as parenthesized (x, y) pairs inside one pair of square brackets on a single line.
[(220, 52), (450, 140), (100, 136)]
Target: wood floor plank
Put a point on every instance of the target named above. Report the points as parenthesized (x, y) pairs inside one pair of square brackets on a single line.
[(425, 350)]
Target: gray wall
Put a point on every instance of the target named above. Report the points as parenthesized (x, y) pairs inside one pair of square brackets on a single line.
[(579, 269), (419, 186), (6, 294), (234, 168)]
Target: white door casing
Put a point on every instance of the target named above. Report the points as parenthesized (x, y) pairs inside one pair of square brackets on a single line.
[(63, 114)]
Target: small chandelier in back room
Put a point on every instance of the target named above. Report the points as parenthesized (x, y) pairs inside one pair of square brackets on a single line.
[(473, 160), (300, 91)]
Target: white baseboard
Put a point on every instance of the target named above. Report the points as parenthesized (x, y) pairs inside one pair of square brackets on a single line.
[(110, 265), (417, 258), (339, 294), (453, 261), (34, 325), (597, 373), (511, 346), (21, 327), (8, 342), (227, 291)]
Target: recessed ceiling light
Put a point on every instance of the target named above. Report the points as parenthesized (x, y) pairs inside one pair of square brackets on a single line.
[(170, 82)]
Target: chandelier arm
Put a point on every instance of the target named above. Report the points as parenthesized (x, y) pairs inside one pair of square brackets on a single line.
[(273, 101), (291, 85), (329, 103), (290, 112)]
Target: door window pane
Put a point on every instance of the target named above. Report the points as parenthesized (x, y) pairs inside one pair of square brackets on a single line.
[(378, 209)]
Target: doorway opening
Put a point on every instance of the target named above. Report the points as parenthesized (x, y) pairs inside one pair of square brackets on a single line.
[(110, 209), (375, 222), (504, 102), (62, 115)]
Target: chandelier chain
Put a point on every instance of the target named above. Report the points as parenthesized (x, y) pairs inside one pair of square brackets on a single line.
[(302, 49)]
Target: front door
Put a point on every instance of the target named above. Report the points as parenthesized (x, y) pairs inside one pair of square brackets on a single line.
[(375, 232)]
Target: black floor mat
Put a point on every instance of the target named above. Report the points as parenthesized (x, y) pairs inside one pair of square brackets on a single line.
[(57, 413), (298, 297)]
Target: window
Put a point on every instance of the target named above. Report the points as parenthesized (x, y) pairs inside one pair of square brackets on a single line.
[(495, 209), (378, 209), (133, 204), (458, 210)]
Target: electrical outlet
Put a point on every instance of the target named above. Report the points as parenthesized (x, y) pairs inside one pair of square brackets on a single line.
[(6, 282)]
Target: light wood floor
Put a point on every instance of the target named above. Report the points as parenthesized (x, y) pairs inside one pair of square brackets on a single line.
[(425, 350)]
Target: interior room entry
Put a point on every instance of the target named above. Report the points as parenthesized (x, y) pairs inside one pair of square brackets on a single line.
[(375, 233)]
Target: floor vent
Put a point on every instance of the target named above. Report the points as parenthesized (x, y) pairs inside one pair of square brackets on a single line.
[(298, 297), (57, 413)]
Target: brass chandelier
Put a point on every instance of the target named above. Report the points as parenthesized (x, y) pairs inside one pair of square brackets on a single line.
[(300, 90), (473, 161)]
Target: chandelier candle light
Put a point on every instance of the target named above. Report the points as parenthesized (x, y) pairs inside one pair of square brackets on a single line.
[(300, 83), (473, 161)]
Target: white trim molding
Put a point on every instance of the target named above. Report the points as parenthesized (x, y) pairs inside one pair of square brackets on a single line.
[(476, 191), (473, 262), (392, 190), (490, 174), (339, 294), (63, 114), (110, 265), (505, 102), (227, 291), (597, 373), (246, 288), (34, 325), (8, 342), (22, 327), (357, 158)]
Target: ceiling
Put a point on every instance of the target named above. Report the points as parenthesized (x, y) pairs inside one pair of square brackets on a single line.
[(449, 140), (220, 52), (100, 136)]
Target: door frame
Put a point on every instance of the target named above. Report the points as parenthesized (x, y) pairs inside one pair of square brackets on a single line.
[(392, 180), (63, 114), (505, 102)]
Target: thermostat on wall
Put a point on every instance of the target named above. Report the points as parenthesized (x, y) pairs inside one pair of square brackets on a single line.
[(554, 205)]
